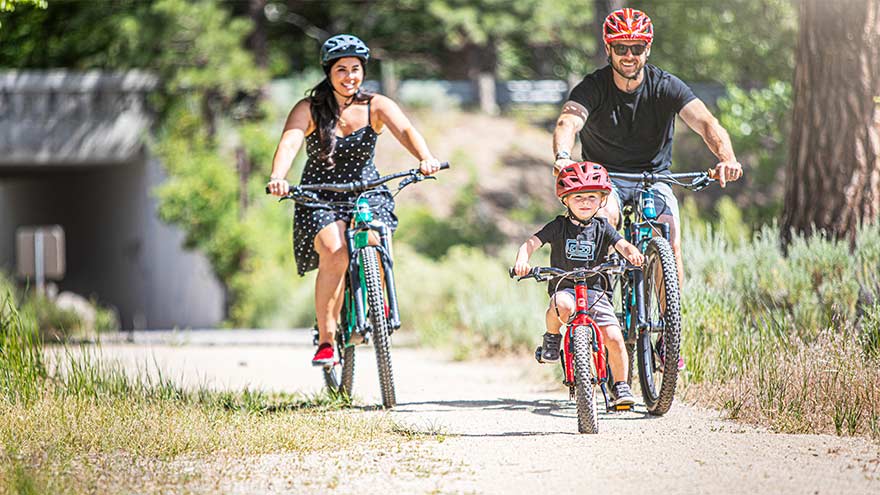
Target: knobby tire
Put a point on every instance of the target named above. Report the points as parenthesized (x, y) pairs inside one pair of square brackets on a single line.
[(381, 328), (660, 264), (588, 418)]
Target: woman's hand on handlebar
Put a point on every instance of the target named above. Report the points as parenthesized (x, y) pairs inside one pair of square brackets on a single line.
[(429, 166), (278, 187)]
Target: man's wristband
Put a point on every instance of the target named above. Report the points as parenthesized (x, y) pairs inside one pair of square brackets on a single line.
[(563, 155)]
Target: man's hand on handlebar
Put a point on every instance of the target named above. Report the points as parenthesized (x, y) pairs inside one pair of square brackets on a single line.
[(726, 171)]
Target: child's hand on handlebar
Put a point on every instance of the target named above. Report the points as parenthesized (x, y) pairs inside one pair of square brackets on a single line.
[(632, 254), (522, 268)]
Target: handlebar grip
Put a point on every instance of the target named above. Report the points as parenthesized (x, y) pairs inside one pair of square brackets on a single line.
[(444, 165), (511, 273), (267, 190)]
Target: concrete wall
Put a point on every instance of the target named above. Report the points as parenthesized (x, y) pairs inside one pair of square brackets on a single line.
[(117, 249)]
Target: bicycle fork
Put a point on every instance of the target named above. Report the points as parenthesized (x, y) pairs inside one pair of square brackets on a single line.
[(356, 240)]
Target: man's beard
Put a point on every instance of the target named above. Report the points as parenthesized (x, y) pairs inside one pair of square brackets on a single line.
[(636, 69)]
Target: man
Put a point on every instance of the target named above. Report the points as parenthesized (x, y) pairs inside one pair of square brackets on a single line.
[(625, 113)]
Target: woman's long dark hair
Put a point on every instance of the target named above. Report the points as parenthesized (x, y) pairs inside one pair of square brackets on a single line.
[(325, 113)]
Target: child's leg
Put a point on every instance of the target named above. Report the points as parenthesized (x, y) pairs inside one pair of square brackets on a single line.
[(617, 357), (564, 303), (603, 314)]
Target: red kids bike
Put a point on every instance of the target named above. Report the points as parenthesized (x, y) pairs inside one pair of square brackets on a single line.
[(583, 350)]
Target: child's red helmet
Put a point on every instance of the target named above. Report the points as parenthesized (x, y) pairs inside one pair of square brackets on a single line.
[(582, 177), (628, 25)]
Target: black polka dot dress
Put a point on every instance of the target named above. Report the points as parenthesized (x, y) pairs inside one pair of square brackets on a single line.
[(353, 156)]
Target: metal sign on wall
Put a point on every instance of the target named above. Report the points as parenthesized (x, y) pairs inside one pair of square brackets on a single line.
[(39, 252)]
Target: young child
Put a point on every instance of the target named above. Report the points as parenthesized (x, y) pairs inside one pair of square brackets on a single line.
[(581, 239)]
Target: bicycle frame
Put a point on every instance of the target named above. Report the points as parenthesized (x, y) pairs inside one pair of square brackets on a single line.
[(639, 224), (582, 318), (357, 237)]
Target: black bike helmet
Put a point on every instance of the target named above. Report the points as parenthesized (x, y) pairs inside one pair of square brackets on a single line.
[(343, 45)]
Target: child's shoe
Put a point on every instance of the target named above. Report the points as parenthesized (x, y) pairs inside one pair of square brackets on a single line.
[(622, 395), (550, 347)]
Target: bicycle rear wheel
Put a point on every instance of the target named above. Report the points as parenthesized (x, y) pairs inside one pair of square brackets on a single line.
[(340, 378), (379, 321), (658, 348), (588, 417)]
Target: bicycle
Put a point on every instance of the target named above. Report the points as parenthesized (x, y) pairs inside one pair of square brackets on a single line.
[(650, 316), (370, 307), (582, 353)]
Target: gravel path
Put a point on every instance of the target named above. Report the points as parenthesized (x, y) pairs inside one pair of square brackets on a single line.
[(500, 426)]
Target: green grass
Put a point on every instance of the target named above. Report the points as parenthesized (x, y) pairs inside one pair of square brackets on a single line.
[(87, 425)]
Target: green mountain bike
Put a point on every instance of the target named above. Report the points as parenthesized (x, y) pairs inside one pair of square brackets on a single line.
[(369, 310), (650, 299)]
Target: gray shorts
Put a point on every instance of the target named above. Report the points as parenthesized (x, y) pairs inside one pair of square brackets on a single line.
[(664, 201), (600, 308)]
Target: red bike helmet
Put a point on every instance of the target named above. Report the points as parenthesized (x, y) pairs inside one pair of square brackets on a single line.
[(582, 177), (628, 25)]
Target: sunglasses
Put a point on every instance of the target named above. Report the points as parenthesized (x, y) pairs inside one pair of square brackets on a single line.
[(620, 50)]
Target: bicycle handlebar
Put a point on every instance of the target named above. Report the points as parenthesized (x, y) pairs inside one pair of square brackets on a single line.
[(698, 180), (544, 273), (359, 185)]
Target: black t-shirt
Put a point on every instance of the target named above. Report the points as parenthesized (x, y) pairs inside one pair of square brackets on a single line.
[(573, 246), (630, 132)]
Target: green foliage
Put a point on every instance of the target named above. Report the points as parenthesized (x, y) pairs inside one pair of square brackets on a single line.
[(21, 361), (201, 193), (468, 225), (9, 5), (466, 301), (759, 123), (728, 41)]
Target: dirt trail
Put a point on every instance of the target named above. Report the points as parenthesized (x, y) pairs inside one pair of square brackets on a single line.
[(506, 429)]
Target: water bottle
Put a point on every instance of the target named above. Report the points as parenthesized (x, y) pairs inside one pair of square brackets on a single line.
[(648, 204), (362, 211)]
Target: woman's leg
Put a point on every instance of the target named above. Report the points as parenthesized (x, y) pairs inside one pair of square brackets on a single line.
[(332, 264)]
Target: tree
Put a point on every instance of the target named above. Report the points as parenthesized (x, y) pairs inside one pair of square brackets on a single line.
[(833, 176), (743, 42), (601, 9)]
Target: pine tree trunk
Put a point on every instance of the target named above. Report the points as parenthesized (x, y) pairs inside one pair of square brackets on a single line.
[(833, 176), (601, 9)]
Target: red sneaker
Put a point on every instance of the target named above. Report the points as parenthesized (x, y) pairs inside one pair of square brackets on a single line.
[(323, 356)]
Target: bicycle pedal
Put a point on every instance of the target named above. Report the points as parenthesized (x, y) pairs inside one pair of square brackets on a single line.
[(623, 407)]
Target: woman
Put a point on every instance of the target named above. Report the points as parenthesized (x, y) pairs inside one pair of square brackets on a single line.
[(339, 124)]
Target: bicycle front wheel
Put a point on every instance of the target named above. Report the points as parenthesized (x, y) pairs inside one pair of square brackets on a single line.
[(588, 417), (379, 321), (658, 347)]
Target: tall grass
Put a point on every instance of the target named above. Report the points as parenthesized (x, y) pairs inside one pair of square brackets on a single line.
[(64, 428), (22, 370), (791, 340)]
